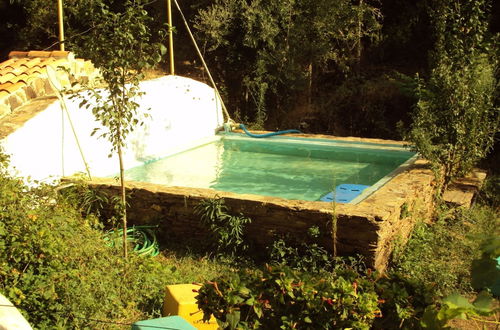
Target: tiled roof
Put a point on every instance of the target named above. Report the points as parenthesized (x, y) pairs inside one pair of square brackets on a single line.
[(23, 76)]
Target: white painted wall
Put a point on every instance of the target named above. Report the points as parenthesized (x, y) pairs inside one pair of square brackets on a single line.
[(182, 112)]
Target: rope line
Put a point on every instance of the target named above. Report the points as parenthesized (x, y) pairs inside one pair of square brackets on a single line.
[(52, 77), (203, 61)]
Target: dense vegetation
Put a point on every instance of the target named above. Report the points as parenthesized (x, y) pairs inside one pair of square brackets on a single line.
[(302, 286), (456, 117), (59, 270), (343, 67)]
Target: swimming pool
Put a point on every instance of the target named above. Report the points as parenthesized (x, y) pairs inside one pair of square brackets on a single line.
[(286, 167), (369, 225)]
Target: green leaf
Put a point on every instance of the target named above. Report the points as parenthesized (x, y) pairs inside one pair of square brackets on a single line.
[(233, 319), (457, 301), (483, 302), (258, 311), (163, 50)]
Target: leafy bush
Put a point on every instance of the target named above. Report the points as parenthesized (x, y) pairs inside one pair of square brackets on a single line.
[(304, 256), (485, 270), (404, 301), (490, 192), (228, 230), (56, 267), (278, 298), (456, 306)]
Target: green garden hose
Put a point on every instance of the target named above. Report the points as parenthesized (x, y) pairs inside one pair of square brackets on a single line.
[(142, 238)]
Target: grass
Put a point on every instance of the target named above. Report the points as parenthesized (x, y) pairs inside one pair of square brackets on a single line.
[(193, 268)]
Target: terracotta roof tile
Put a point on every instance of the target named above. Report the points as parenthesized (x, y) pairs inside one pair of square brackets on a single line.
[(34, 70), (18, 68), (23, 76), (32, 62), (60, 54), (6, 70), (7, 63), (17, 54), (38, 53), (45, 61), (4, 86), (7, 78), (19, 62), (41, 54)]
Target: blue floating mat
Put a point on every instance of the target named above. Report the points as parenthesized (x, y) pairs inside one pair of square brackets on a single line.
[(344, 193)]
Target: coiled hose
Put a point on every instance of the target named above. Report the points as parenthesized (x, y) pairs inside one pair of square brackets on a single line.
[(267, 134), (142, 238)]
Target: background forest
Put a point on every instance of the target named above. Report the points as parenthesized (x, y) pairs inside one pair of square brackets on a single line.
[(340, 67)]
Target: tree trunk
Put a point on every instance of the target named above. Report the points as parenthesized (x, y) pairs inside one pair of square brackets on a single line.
[(360, 34), (123, 202), (309, 87)]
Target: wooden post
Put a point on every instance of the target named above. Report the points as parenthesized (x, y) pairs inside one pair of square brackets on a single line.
[(170, 37), (61, 23)]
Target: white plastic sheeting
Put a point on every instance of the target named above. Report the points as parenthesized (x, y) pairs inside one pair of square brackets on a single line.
[(182, 112)]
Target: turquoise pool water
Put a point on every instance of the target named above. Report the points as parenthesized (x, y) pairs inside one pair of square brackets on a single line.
[(302, 169)]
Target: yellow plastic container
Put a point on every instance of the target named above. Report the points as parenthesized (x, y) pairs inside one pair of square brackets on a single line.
[(180, 300)]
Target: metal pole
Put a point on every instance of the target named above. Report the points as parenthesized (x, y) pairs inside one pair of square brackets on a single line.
[(61, 25), (170, 37), (202, 60)]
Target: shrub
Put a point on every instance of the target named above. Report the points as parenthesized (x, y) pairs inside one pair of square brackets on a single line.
[(56, 267), (278, 297), (404, 301), (227, 230), (368, 106), (304, 256)]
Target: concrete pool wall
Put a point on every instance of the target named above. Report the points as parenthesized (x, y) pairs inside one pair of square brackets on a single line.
[(41, 145), (371, 228)]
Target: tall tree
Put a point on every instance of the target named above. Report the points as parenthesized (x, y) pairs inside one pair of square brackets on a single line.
[(120, 46), (456, 118)]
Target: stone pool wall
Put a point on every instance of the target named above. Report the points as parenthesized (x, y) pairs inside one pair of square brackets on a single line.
[(370, 228)]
